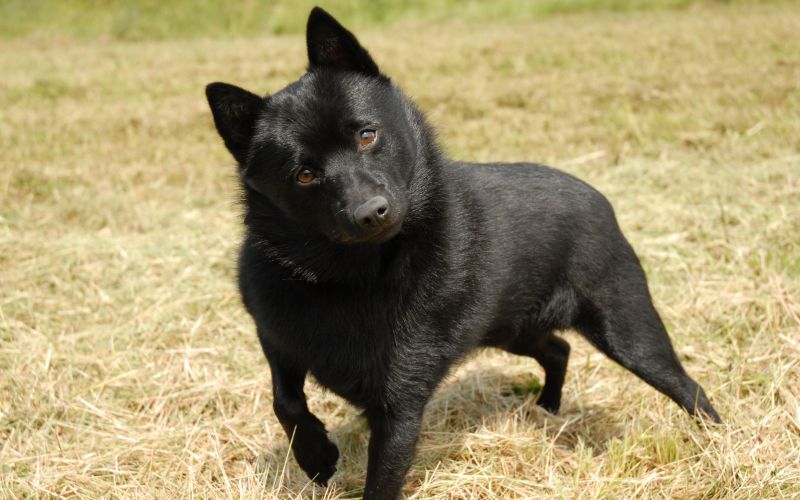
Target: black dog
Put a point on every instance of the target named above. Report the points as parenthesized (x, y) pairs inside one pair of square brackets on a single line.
[(376, 264)]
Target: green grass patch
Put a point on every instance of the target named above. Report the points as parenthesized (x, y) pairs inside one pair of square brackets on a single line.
[(151, 19)]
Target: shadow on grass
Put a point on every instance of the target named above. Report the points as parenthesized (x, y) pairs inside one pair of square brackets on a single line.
[(494, 403)]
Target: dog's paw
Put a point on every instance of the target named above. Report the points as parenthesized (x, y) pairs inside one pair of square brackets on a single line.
[(550, 404), (317, 457)]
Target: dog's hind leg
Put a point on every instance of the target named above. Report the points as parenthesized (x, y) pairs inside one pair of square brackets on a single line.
[(620, 320), (552, 353)]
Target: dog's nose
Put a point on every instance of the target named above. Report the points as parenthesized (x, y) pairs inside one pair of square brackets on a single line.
[(372, 213)]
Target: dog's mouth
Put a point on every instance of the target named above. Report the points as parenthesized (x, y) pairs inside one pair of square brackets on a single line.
[(376, 237), (384, 234)]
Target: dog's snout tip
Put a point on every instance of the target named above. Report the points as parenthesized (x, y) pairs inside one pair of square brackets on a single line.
[(372, 213)]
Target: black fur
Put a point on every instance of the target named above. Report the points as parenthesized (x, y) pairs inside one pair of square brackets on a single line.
[(394, 262)]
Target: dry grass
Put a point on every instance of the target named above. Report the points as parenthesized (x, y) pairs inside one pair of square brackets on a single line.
[(129, 368)]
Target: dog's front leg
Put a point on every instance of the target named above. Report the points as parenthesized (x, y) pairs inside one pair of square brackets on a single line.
[(391, 448), (312, 449)]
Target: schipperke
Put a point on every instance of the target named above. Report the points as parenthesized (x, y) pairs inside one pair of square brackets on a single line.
[(374, 263)]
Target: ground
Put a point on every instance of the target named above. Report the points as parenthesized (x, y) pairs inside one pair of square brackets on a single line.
[(128, 366)]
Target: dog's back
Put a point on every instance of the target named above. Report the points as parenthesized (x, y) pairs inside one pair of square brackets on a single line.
[(548, 237)]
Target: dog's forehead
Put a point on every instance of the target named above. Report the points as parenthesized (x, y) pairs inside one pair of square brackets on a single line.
[(325, 101), (319, 113)]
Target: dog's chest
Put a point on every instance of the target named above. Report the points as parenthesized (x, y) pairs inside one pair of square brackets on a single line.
[(356, 368), (347, 345)]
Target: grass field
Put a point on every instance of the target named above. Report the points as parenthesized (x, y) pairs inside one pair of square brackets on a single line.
[(128, 367)]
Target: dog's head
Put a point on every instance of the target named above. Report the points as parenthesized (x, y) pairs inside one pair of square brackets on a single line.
[(334, 151)]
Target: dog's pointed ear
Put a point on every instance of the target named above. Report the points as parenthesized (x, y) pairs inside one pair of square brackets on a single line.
[(235, 112), (331, 45)]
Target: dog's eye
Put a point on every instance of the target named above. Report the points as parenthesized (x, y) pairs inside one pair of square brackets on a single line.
[(306, 176), (367, 137)]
